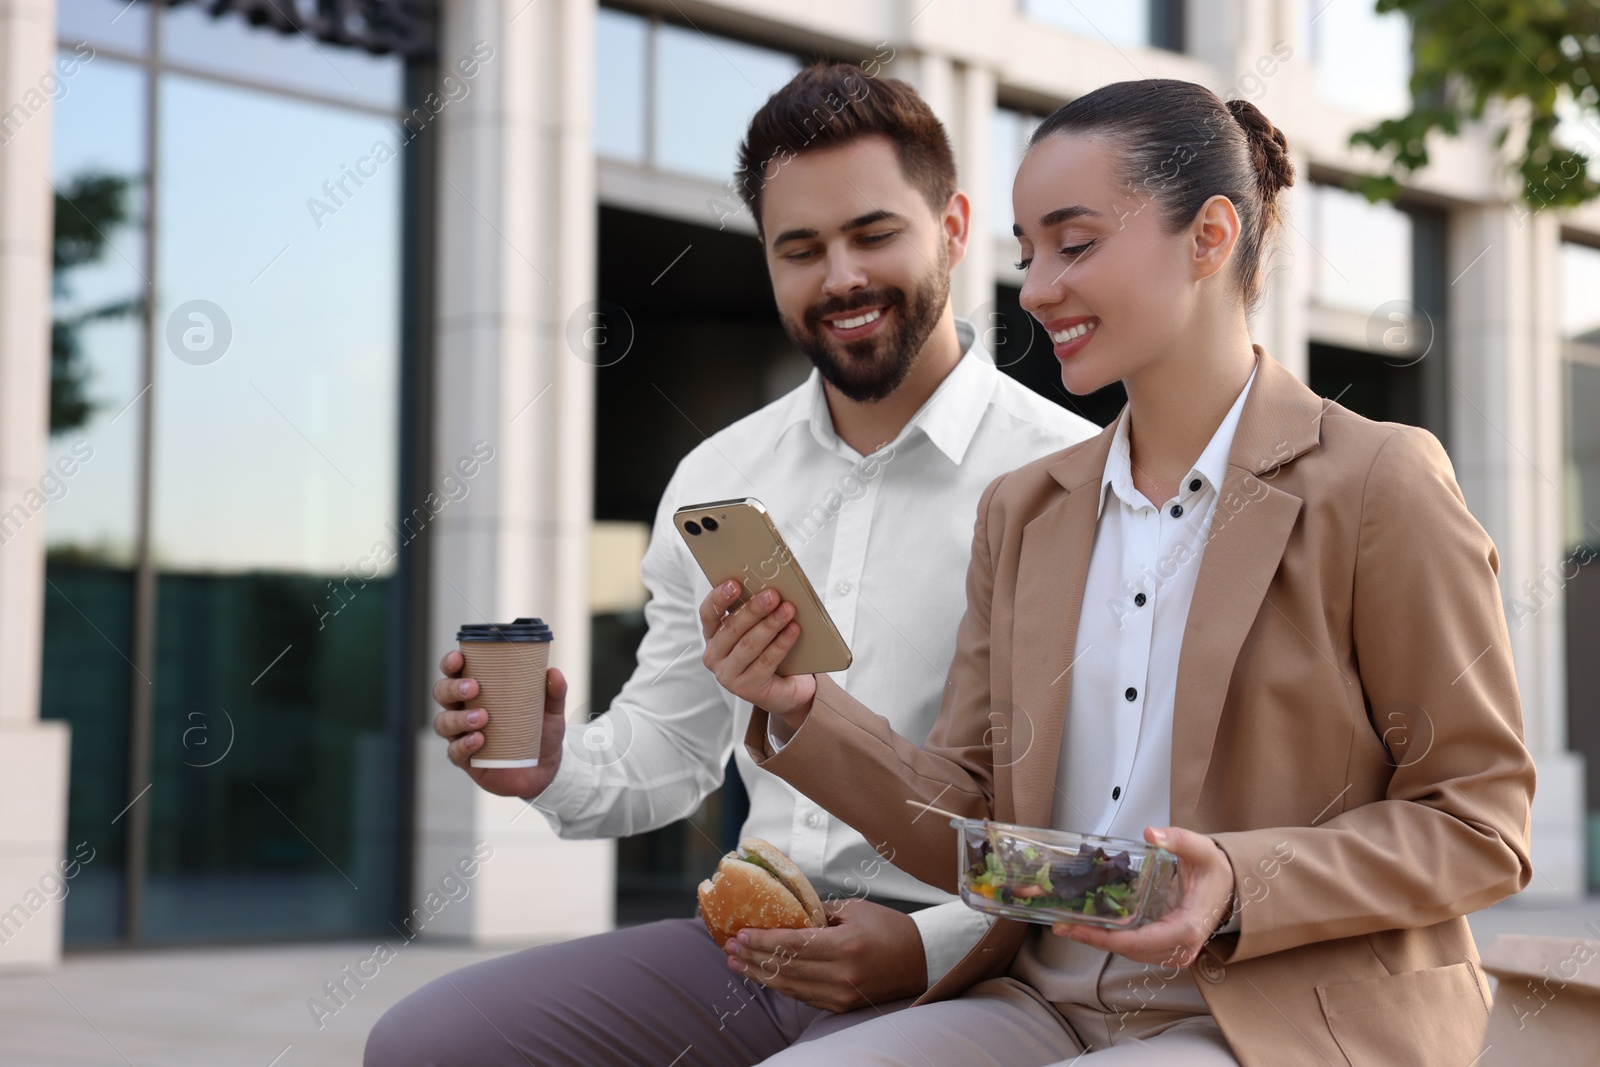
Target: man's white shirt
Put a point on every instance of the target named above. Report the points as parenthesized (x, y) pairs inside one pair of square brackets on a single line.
[(885, 540)]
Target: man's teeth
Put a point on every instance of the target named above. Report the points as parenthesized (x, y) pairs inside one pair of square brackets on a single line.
[(1061, 337), (859, 320)]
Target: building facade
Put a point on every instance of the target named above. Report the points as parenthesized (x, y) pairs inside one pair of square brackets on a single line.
[(318, 340)]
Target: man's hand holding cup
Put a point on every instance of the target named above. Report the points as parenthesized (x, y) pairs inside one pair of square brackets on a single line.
[(463, 727)]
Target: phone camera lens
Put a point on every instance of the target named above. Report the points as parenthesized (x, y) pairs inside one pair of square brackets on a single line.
[(709, 523), (692, 527)]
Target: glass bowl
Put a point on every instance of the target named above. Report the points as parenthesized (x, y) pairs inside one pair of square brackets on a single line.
[(1051, 876)]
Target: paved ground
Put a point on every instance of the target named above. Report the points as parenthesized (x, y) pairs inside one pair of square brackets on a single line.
[(223, 1007), (247, 1007)]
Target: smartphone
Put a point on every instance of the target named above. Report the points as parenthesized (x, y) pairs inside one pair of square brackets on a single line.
[(737, 539)]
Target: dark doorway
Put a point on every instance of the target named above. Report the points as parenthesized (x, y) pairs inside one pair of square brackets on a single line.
[(707, 350), (1370, 386)]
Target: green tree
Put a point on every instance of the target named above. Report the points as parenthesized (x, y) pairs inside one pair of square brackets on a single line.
[(1544, 54), (88, 207)]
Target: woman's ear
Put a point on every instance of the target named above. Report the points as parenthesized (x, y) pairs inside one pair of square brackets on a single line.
[(1215, 231)]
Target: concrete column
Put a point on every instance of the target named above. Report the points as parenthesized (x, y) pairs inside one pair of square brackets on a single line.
[(935, 78), (33, 754), (1281, 326), (516, 235), (1506, 396), (972, 284)]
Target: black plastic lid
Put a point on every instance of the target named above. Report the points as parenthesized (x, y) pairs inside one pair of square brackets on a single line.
[(524, 629)]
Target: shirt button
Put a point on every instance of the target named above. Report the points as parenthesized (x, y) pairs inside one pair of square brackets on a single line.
[(813, 820), (842, 588), (1138, 600), (1177, 511), (1131, 693), (1194, 486), (1210, 969), (1116, 792)]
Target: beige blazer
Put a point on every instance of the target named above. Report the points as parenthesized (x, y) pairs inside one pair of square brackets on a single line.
[(1347, 728)]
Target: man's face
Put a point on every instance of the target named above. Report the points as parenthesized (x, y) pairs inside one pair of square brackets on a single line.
[(860, 264)]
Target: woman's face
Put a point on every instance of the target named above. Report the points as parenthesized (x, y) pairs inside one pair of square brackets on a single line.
[(1111, 288)]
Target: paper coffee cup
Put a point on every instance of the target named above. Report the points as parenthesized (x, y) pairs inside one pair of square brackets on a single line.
[(508, 661)]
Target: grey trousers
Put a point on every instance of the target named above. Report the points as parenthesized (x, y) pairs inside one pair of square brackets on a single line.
[(1007, 1023), (657, 995)]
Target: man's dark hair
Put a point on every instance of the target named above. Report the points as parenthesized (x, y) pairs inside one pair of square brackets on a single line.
[(828, 105)]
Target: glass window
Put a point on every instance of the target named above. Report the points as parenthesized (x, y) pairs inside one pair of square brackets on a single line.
[(106, 23), (232, 47), (706, 90), (274, 477), (1361, 252), (269, 362), (1583, 456), (1009, 133), (1580, 579), (1119, 21), (96, 413), (1580, 293), (620, 43), (1362, 58)]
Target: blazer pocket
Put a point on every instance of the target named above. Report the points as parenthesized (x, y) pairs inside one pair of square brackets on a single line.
[(1432, 1018)]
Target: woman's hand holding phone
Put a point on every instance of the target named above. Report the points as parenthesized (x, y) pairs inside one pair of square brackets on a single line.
[(746, 643)]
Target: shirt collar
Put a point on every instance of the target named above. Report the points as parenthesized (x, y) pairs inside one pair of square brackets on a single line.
[(1210, 468), (949, 418)]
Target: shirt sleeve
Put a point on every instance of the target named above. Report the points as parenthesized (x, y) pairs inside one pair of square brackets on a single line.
[(777, 733), (661, 747), (948, 933)]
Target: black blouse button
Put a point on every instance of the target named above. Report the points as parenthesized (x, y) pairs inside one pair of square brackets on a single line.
[(1194, 486), (1138, 600), (1177, 511), (1116, 792), (1132, 693)]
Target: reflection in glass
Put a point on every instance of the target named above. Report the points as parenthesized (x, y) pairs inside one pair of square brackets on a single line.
[(1580, 284), (280, 451), (1363, 59), (1361, 251), (1119, 21), (89, 483), (619, 89), (707, 89), (105, 23), (230, 46), (274, 482)]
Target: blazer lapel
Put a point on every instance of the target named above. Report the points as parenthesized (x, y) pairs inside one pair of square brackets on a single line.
[(1249, 532), (1052, 570), (1235, 572)]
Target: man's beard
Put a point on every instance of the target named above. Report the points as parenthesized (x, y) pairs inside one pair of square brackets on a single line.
[(873, 367)]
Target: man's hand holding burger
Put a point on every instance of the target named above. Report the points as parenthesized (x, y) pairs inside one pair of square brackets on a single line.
[(745, 646), (838, 955), (463, 728), (867, 955)]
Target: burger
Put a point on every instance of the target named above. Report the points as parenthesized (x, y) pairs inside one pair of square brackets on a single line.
[(757, 885)]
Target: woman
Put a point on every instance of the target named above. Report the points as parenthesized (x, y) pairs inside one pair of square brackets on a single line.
[(1245, 622)]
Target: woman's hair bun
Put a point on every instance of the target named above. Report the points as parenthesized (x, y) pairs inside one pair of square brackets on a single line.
[(1269, 149)]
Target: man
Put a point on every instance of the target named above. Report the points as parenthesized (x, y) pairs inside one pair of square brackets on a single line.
[(872, 469)]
